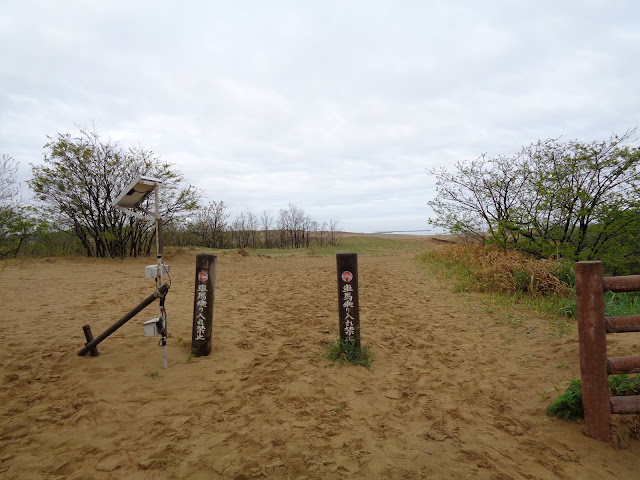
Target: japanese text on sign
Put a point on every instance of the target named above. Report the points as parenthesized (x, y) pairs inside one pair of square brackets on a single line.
[(201, 303), (347, 304)]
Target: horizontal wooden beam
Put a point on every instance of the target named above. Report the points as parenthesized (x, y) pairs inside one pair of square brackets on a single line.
[(625, 404), (629, 283), (629, 323), (618, 365)]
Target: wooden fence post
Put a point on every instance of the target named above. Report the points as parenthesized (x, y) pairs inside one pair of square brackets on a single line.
[(348, 298), (593, 350), (203, 304)]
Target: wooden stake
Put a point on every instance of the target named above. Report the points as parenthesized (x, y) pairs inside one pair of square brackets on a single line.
[(593, 350), (348, 298), (203, 304), (89, 336)]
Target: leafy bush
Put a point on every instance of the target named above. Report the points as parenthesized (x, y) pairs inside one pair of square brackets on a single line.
[(568, 405), (621, 385)]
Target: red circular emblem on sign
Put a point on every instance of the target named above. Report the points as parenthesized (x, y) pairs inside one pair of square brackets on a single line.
[(203, 277), (347, 276)]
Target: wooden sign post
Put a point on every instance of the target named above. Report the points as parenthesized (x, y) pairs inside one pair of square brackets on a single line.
[(348, 301), (592, 334), (203, 304)]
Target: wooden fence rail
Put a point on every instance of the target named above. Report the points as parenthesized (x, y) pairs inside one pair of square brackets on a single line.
[(595, 367)]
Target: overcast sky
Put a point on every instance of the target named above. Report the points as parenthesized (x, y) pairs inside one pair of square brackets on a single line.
[(336, 106)]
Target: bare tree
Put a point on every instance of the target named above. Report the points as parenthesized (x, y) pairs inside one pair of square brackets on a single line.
[(291, 222), (321, 233), (211, 224), (239, 239), (267, 222), (244, 230), (334, 232), (9, 188), (253, 225)]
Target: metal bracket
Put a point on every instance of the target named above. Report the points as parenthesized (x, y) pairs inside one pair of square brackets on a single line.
[(135, 213)]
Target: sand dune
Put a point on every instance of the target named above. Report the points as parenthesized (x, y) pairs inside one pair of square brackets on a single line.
[(457, 390)]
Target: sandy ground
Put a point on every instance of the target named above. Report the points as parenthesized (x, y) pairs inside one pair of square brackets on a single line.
[(457, 390)]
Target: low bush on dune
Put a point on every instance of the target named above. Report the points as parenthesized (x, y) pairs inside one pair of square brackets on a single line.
[(568, 405), (544, 286), (483, 268)]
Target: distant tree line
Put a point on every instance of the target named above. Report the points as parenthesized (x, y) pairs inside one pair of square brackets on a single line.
[(291, 228), (574, 200), (80, 178)]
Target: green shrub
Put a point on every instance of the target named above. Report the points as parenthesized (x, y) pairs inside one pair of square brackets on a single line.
[(621, 385), (568, 405)]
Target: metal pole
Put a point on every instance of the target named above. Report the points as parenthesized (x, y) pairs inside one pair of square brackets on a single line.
[(163, 314)]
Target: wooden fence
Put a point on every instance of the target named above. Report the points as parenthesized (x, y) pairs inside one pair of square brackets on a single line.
[(595, 366)]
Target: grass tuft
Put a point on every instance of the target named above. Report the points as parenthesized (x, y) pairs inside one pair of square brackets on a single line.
[(347, 352), (621, 304)]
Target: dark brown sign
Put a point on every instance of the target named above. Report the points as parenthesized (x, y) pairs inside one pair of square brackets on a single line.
[(348, 301), (203, 304)]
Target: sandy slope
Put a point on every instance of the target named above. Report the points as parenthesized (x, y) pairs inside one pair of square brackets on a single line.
[(455, 391)]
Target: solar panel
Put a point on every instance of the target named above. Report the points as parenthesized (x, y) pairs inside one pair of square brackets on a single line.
[(136, 192)]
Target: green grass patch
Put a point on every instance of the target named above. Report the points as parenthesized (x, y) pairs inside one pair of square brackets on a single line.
[(568, 405), (342, 352), (511, 279), (615, 305), (360, 244), (621, 304)]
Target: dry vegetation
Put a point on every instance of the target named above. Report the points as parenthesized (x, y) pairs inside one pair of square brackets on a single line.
[(486, 269)]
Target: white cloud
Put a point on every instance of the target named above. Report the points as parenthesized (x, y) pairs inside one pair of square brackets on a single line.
[(337, 106)]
